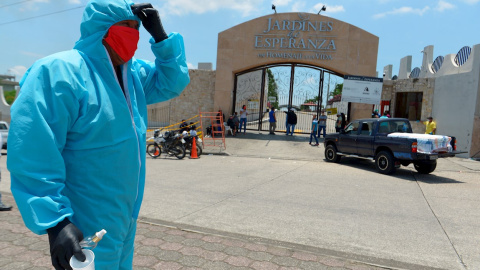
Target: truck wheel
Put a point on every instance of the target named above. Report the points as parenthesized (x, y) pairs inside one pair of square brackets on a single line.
[(425, 167), (331, 154), (384, 162)]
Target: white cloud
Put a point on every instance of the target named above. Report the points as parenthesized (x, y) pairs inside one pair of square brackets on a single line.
[(74, 1), (442, 5), (245, 7), (402, 10), (18, 71), (191, 66), (182, 7), (330, 8), (298, 6), (472, 2), (32, 5), (281, 2)]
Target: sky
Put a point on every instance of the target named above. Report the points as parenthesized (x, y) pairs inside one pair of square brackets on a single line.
[(32, 29)]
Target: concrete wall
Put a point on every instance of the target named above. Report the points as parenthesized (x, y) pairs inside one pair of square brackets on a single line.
[(4, 107), (454, 108), (451, 96), (475, 149)]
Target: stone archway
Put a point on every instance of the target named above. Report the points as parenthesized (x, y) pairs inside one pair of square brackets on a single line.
[(297, 38)]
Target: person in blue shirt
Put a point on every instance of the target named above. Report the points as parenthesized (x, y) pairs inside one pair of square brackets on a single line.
[(272, 121), (313, 134), (322, 124), (81, 116)]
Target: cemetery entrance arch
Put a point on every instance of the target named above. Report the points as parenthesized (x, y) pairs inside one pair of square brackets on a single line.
[(297, 50)]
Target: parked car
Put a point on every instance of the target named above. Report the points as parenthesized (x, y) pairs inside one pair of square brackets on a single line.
[(390, 143), (4, 133)]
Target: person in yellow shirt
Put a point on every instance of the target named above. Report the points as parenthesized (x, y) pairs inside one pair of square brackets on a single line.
[(431, 127)]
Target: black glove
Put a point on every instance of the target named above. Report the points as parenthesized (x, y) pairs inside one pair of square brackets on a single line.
[(150, 20), (64, 243)]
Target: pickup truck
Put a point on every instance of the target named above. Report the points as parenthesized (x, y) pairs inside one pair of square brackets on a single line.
[(390, 143)]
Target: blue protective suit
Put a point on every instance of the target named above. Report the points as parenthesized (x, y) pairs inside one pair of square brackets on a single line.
[(77, 143)]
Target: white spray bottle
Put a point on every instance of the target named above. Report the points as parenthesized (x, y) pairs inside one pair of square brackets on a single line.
[(92, 241), (87, 244)]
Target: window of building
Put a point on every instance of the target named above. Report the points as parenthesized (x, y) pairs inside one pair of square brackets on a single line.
[(409, 105)]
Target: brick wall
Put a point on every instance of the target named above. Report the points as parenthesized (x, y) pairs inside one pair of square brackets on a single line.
[(423, 85), (197, 96)]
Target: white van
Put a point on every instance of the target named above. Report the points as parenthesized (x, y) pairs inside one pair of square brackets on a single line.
[(4, 133)]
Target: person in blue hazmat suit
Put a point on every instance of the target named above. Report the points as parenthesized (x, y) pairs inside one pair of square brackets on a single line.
[(78, 132)]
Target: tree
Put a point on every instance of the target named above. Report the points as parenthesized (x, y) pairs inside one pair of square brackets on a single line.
[(310, 100), (337, 91), (272, 88), (10, 96)]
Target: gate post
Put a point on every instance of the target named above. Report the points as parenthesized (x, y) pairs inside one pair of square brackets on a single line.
[(262, 97)]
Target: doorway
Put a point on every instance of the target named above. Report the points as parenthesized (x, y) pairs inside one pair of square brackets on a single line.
[(283, 86)]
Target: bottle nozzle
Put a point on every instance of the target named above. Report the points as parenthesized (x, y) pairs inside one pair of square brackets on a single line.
[(100, 234)]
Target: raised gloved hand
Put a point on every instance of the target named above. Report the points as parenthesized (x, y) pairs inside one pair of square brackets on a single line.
[(64, 241), (150, 20)]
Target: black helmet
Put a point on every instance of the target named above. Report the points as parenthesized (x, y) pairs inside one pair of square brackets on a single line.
[(167, 134)]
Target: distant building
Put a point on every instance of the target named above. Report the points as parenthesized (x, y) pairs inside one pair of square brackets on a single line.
[(447, 88), (8, 82)]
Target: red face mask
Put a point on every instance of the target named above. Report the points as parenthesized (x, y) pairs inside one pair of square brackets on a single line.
[(123, 41)]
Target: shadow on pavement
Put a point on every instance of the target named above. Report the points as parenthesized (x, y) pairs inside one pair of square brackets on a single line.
[(404, 173), (264, 135)]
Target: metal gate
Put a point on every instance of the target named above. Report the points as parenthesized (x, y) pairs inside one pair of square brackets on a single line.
[(283, 86)]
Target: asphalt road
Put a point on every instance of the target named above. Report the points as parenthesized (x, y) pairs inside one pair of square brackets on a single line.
[(279, 189)]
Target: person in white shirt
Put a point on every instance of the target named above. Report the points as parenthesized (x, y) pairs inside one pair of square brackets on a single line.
[(243, 119)]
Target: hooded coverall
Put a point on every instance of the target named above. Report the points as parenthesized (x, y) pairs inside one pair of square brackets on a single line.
[(77, 142)]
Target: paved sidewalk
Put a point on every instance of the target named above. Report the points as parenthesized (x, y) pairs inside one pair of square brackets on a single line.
[(167, 247)]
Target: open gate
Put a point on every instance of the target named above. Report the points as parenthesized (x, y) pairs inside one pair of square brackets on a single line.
[(283, 86)]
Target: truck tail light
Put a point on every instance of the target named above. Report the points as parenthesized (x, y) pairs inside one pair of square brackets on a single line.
[(414, 147)]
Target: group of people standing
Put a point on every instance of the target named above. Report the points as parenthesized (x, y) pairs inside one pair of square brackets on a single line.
[(290, 121), (236, 124), (376, 114), (318, 125)]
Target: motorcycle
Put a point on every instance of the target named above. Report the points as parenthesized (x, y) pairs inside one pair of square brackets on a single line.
[(171, 143), (189, 142)]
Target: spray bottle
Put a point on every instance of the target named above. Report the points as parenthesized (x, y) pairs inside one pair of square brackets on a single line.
[(87, 244), (92, 241)]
